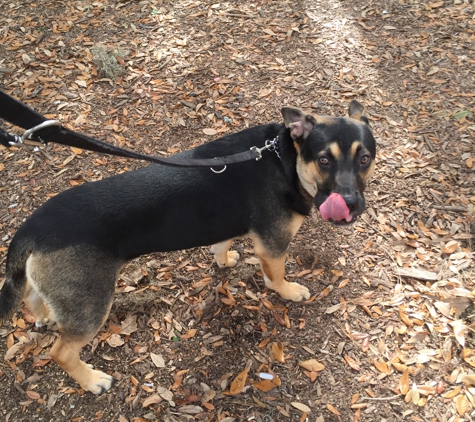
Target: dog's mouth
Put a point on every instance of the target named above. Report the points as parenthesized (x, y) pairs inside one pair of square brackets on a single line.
[(335, 210)]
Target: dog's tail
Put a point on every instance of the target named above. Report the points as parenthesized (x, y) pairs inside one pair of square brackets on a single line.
[(15, 277)]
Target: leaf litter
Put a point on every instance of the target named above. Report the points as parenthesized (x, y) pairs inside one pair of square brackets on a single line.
[(391, 320)]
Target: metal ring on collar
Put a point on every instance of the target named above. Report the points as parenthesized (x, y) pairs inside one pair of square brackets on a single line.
[(218, 171)]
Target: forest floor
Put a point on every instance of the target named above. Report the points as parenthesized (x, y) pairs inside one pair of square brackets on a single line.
[(388, 334)]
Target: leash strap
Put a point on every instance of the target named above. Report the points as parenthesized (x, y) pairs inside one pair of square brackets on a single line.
[(40, 131)]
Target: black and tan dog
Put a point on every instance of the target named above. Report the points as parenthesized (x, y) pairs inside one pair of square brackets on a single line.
[(65, 259)]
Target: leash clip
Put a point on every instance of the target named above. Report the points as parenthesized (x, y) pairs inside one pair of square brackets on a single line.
[(270, 145), (258, 151), (25, 139)]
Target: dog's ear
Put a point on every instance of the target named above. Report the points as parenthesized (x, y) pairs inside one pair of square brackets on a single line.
[(299, 123), (357, 111)]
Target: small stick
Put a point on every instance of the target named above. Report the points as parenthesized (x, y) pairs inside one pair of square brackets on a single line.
[(450, 208), (382, 398)]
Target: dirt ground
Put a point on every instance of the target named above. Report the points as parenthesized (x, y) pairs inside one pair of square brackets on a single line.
[(388, 334)]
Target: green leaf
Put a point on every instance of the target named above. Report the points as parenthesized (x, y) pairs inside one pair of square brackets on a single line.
[(461, 114)]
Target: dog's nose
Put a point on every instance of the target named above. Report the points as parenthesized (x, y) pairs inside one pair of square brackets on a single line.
[(351, 201)]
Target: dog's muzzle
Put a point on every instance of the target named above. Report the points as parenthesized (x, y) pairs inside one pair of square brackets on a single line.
[(340, 209)]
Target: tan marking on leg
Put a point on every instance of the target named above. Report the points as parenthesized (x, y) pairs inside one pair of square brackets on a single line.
[(223, 256), (354, 148), (273, 269), (335, 150), (66, 354), (33, 301), (37, 307)]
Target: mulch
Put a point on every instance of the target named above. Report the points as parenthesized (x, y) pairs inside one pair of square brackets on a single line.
[(388, 332)]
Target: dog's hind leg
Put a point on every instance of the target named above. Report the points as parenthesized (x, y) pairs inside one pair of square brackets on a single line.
[(36, 306), (80, 318), (77, 285), (65, 352), (223, 256)]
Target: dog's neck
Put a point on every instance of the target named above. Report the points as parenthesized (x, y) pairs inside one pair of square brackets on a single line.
[(289, 155)]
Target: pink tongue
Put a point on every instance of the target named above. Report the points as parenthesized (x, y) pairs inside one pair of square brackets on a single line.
[(335, 208)]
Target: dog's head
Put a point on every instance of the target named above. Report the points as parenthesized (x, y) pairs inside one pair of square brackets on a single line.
[(335, 159)]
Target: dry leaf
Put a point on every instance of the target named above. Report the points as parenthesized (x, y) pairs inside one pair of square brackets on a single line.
[(450, 247), (312, 365), (191, 333), (453, 393), (415, 396), (77, 151), (334, 308), (365, 345), (461, 403), (32, 394), (165, 394), (269, 31), (277, 352), (240, 381), (267, 384), (115, 340), (459, 328), (405, 319), (300, 406), (153, 399), (381, 367), (268, 304), (343, 283), (399, 366), (404, 382), (157, 360), (354, 365), (312, 375), (190, 409), (327, 290), (278, 318), (209, 131), (333, 409), (468, 379), (128, 325)]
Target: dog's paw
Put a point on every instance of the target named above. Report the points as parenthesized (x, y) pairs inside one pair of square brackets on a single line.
[(98, 382), (232, 259), (294, 291), (40, 322)]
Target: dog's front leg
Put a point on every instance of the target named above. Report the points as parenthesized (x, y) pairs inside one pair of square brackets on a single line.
[(273, 270)]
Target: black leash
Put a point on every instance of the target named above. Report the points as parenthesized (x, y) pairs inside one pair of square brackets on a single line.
[(40, 131)]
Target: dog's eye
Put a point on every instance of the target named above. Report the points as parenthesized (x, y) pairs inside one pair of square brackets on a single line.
[(323, 160), (365, 159)]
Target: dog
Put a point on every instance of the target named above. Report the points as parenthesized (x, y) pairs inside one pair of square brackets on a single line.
[(65, 259)]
